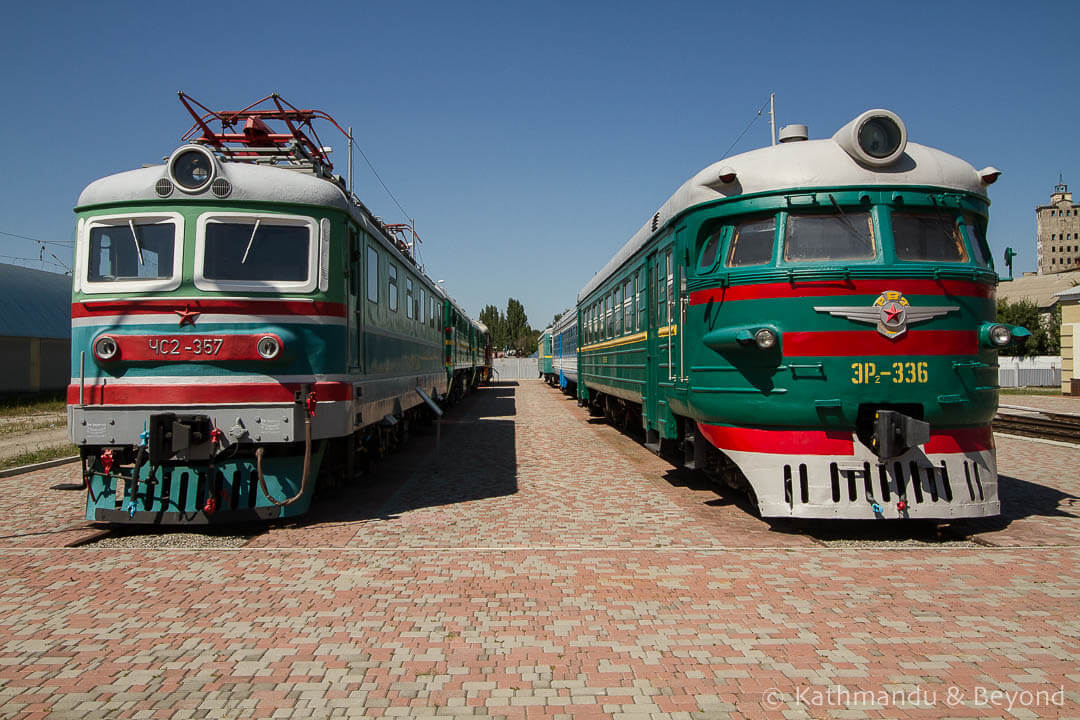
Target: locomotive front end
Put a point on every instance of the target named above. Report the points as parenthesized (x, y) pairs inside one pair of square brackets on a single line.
[(205, 341), (841, 343)]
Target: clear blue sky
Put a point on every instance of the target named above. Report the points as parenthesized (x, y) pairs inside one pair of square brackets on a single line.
[(530, 140)]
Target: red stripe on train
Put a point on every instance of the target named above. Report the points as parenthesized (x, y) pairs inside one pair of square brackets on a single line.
[(960, 440), (204, 394), (853, 343), (833, 442), (767, 291), (781, 442), (96, 308)]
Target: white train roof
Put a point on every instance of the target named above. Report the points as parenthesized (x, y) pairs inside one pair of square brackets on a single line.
[(249, 181), (803, 164)]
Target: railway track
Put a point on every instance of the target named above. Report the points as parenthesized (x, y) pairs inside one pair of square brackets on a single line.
[(1035, 423)]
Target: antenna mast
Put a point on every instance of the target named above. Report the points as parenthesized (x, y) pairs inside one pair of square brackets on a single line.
[(772, 117)]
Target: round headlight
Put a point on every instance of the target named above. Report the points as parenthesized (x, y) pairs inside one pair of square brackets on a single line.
[(880, 137), (106, 348), (765, 338), (192, 168), (1000, 335), (268, 347)]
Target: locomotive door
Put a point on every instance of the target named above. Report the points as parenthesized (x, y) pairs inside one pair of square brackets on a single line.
[(678, 301), (355, 311)]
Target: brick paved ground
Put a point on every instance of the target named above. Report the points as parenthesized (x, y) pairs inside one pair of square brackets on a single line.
[(1052, 403), (566, 573)]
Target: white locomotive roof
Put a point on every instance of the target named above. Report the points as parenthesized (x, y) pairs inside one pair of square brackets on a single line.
[(798, 165), (250, 182)]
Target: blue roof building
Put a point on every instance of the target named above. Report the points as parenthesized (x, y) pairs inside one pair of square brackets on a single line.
[(35, 330)]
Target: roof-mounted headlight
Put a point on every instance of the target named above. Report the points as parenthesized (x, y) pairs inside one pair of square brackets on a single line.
[(192, 168), (876, 138)]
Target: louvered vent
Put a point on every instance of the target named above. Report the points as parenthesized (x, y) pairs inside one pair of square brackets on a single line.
[(221, 187), (164, 187)]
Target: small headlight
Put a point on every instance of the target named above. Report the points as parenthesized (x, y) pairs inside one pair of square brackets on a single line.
[(1000, 335), (268, 347), (765, 338), (105, 348), (192, 168)]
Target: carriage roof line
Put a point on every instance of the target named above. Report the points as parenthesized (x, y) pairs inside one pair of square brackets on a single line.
[(803, 164)]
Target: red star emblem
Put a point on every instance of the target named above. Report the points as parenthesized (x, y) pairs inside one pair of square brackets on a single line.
[(187, 316), (892, 312)]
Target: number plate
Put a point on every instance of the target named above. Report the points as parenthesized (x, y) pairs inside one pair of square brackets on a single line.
[(189, 348), (896, 373)]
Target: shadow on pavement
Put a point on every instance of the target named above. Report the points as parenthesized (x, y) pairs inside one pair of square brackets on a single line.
[(476, 459)]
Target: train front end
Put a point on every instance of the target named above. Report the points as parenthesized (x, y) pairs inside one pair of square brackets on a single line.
[(841, 343), (208, 346)]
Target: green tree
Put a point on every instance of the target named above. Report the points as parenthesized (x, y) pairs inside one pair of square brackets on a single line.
[(1045, 328), (517, 327), (495, 322)]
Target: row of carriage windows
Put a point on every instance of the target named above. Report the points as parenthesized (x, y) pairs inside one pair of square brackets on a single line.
[(624, 310), (420, 305)]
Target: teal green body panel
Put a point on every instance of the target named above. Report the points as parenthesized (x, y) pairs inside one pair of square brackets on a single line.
[(671, 372)]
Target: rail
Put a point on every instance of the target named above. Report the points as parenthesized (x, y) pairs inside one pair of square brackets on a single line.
[(1036, 423)]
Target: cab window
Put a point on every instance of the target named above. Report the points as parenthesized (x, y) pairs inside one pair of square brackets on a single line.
[(752, 242), (847, 235), (928, 236), (710, 249)]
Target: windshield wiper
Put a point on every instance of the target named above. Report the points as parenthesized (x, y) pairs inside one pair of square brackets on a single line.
[(844, 217), (251, 240), (138, 248)]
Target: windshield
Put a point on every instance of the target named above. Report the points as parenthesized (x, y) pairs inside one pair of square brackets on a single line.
[(932, 236), (131, 251), (752, 242), (256, 250), (844, 235)]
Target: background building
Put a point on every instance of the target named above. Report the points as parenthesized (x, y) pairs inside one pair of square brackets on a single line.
[(1070, 340), (1057, 226), (35, 330)]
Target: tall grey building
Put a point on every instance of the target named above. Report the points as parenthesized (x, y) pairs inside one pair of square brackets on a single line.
[(1058, 230)]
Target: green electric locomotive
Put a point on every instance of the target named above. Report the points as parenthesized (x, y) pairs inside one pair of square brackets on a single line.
[(813, 321), (244, 328)]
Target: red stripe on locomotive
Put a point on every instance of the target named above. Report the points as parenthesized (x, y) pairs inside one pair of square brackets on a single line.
[(766, 291), (852, 343)]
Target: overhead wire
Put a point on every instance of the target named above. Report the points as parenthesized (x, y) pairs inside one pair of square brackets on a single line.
[(746, 129)]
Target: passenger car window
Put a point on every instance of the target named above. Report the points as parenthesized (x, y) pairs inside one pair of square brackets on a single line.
[(928, 236), (752, 242), (847, 235), (373, 274)]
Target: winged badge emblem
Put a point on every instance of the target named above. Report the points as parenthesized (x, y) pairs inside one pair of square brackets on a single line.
[(891, 312)]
